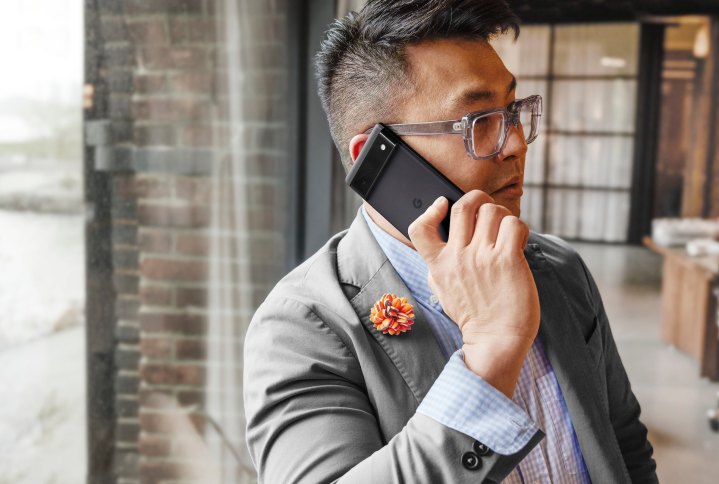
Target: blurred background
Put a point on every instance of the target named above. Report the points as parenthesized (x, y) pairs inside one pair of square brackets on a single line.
[(164, 162)]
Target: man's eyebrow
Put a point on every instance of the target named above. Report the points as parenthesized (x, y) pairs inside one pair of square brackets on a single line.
[(472, 96), (512, 85)]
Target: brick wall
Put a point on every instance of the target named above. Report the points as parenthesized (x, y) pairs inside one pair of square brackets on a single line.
[(195, 102)]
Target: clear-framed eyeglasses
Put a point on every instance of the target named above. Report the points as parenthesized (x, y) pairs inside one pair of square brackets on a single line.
[(485, 132)]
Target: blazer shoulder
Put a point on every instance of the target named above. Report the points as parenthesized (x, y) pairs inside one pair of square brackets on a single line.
[(310, 280), (571, 270), (312, 291)]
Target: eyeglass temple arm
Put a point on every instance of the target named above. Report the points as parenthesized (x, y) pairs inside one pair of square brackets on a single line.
[(436, 127)]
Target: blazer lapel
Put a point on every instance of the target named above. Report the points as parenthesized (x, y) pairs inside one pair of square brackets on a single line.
[(362, 263), (575, 372)]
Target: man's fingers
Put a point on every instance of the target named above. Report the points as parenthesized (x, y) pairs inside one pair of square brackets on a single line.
[(513, 234), (488, 221), (464, 217), (424, 232)]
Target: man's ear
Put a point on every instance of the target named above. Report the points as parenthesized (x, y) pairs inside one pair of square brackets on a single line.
[(356, 144)]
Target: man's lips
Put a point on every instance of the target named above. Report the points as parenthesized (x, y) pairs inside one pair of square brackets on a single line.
[(512, 188)]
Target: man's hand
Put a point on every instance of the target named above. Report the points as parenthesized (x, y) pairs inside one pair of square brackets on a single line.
[(483, 282)]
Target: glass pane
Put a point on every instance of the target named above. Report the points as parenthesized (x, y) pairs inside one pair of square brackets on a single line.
[(599, 161), (596, 49), (529, 55), (532, 208), (586, 106), (564, 212), (617, 216), (527, 87), (593, 215), (197, 235), (534, 162), (42, 280)]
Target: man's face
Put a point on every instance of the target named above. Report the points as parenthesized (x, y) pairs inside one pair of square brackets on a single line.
[(453, 78)]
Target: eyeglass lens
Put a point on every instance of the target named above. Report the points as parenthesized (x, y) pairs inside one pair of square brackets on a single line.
[(489, 130)]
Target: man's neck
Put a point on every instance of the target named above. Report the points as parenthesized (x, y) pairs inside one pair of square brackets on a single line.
[(386, 226)]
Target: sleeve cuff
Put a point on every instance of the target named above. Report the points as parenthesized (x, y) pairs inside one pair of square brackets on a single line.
[(465, 402)]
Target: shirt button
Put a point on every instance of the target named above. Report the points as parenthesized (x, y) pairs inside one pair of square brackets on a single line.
[(481, 449), (433, 299), (471, 461)]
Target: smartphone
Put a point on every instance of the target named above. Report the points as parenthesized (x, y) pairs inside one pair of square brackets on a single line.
[(398, 182)]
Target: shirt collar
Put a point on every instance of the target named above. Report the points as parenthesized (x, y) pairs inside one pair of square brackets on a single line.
[(406, 261)]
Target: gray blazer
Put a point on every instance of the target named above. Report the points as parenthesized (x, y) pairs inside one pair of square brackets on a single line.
[(330, 399)]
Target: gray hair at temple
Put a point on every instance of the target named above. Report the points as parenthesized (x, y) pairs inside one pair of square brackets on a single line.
[(361, 68)]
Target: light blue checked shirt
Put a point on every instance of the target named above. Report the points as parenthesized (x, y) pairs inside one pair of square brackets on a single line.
[(462, 400)]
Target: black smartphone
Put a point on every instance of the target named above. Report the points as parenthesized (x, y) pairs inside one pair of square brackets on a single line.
[(398, 182)]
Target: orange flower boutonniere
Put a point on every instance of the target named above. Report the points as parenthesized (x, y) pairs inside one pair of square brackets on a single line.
[(392, 314)]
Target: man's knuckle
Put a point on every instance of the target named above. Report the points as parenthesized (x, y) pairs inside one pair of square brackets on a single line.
[(460, 207)]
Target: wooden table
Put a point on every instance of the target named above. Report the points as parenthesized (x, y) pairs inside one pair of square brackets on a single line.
[(690, 287)]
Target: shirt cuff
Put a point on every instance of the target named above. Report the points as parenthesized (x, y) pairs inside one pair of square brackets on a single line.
[(464, 401)]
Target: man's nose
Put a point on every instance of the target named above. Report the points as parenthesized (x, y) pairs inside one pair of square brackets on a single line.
[(515, 145)]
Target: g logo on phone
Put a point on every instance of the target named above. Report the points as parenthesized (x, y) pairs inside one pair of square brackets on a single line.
[(417, 202)]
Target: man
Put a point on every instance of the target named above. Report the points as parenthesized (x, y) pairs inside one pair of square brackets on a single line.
[(509, 371)]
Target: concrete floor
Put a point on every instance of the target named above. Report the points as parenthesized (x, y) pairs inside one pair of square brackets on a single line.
[(666, 382)]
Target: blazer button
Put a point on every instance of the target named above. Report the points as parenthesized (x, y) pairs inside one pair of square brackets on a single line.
[(471, 461), (481, 449)]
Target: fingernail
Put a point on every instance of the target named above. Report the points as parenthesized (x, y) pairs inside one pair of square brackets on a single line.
[(439, 201)]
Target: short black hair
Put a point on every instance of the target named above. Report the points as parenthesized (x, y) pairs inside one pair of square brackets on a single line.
[(361, 62)]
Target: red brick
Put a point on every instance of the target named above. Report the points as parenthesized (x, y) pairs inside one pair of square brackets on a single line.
[(149, 83), (184, 30), (266, 250), (157, 471), (193, 244), (196, 136), (154, 135), (188, 349), (188, 297), (266, 195), (190, 397), (123, 186), (134, 7), (172, 323), (151, 398), (194, 189), (265, 219), (163, 57), (172, 216), (156, 347), (266, 165), (173, 270), (170, 109), (192, 82), (152, 187), (154, 445), (150, 240), (155, 296), (166, 374), (148, 31), (264, 272)]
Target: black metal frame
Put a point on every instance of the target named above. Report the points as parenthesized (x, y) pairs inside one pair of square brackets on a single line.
[(100, 292), (311, 146), (646, 144)]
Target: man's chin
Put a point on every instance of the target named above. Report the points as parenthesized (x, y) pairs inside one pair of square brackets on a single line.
[(511, 204)]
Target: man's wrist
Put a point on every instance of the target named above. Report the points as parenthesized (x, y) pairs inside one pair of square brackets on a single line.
[(498, 360)]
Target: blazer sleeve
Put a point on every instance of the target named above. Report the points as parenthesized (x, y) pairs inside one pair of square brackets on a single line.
[(624, 409), (309, 418)]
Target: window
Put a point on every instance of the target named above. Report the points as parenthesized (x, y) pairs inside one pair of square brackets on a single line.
[(578, 172)]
